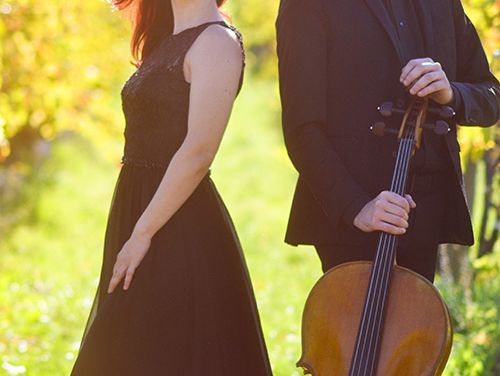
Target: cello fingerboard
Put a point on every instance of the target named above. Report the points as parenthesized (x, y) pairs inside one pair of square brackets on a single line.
[(365, 354)]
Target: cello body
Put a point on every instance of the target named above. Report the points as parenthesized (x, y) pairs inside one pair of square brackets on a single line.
[(417, 335), (376, 318)]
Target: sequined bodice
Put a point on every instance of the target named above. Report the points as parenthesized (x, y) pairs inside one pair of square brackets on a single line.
[(155, 101)]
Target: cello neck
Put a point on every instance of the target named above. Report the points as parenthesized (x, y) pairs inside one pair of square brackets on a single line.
[(364, 360)]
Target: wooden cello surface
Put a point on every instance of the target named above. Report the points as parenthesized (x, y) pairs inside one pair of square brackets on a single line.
[(419, 345), (376, 318)]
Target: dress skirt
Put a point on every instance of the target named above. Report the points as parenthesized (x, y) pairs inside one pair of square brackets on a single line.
[(190, 309)]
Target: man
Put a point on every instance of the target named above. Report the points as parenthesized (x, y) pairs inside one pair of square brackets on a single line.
[(338, 61)]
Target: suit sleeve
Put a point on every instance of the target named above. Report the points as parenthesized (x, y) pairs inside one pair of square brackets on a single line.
[(476, 88), (303, 72)]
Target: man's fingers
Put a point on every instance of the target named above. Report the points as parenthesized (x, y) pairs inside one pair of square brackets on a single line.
[(410, 200), (412, 64), (391, 229), (388, 212), (409, 66), (424, 81), (394, 209), (396, 199), (394, 220), (397, 210), (432, 88), (419, 71)]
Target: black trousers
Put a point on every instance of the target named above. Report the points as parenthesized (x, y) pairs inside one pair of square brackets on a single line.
[(417, 249)]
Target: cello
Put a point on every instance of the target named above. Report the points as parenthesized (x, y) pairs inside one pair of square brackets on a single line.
[(403, 325)]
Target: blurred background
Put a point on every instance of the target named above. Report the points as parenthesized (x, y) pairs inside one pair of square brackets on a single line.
[(62, 65)]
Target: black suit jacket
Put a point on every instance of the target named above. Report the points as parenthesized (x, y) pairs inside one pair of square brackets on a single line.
[(338, 60)]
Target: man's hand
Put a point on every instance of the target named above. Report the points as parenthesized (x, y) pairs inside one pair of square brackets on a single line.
[(387, 212), (424, 77)]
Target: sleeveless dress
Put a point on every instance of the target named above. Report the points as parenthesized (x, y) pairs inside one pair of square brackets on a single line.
[(190, 309)]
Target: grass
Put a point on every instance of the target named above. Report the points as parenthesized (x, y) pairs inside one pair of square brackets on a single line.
[(257, 180)]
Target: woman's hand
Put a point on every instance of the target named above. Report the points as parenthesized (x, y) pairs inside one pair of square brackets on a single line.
[(425, 77), (128, 259), (388, 212)]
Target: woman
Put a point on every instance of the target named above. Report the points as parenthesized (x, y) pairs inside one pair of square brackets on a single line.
[(174, 296)]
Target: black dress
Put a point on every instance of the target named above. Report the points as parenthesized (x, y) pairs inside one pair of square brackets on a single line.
[(190, 309)]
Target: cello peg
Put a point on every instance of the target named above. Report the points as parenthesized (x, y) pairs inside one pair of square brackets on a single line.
[(440, 128), (380, 129), (387, 109), (447, 112), (444, 112)]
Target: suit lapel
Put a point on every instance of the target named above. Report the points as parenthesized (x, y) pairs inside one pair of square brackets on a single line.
[(379, 10)]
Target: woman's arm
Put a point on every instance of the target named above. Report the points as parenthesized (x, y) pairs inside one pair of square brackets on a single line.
[(213, 67)]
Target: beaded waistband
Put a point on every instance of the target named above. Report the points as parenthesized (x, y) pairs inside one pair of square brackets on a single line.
[(147, 164), (142, 163)]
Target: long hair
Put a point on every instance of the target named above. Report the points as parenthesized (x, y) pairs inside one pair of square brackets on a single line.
[(152, 20)]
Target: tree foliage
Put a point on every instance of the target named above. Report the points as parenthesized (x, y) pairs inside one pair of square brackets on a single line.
[(59, 65)]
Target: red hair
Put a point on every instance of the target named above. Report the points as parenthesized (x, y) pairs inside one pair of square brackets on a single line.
[(151, 20)]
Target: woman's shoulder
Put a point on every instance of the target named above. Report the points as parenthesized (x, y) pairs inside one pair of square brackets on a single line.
[(216, 54), (220, 36)]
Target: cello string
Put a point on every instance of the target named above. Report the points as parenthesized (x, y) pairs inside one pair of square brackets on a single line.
[(381, 301), (382, 250), (397, 187), (386, 264), (384, 280), (374, 291), (388, 246), (387, 240), (364, 322), (362, 336), (360, 352)]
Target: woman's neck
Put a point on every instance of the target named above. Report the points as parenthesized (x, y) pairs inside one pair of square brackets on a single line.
[(190, 13)]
